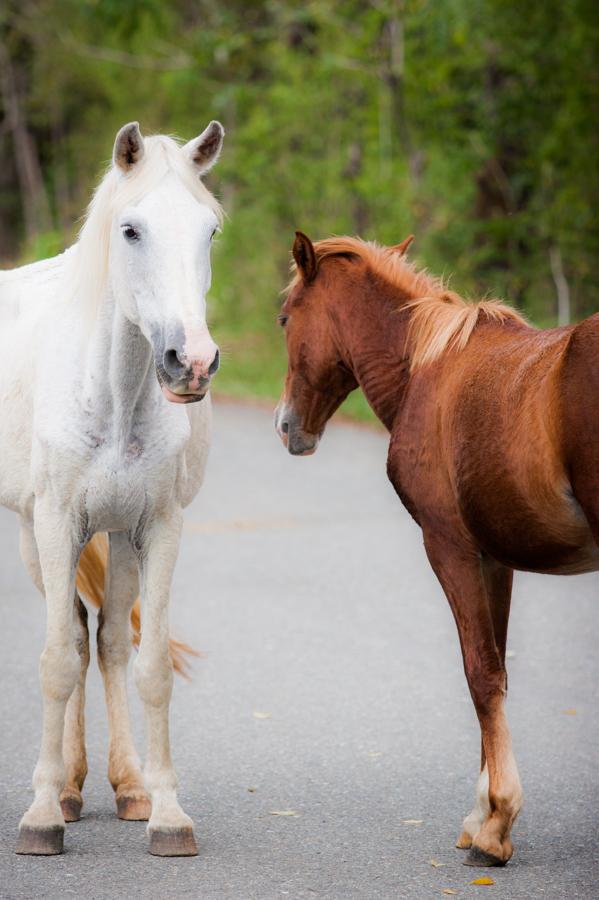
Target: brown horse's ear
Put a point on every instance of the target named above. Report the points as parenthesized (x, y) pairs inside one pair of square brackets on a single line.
[(305, 256), (403, 247)]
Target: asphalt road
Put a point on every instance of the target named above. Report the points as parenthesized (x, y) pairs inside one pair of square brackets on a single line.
[(305, 583)]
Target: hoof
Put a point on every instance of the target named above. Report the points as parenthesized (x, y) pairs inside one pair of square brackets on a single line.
[(40, 841), (173, 842), (71, 808), (133, 809), (477, 857), (464, 842)]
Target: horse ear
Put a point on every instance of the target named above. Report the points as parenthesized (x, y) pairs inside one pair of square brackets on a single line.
[(204, 150), (305, 256), (128, 147), (403, 247)]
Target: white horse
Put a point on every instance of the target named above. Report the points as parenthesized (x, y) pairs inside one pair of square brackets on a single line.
[(98, 349)]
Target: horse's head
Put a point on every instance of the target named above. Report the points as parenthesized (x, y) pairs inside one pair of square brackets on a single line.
[(318, 380), (159, 262)]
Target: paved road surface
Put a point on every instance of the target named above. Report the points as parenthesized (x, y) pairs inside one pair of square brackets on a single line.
[(306, 585)]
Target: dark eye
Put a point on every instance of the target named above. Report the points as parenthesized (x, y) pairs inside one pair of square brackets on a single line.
[(130, 233), (214, 232), (282, 319)]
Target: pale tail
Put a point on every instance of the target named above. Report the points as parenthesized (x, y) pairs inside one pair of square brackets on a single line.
[(91, 574)]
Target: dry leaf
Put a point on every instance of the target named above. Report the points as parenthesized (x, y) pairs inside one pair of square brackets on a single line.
[(283, 812), (374, 753), (435, 863), (261, 715), (413, 821), (484, 880), (570, 712), (448, 891), (252, 790)]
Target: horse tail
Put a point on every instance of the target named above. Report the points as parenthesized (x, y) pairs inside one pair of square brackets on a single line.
[(91, 575)]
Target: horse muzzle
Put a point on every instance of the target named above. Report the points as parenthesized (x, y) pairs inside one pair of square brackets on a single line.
[(185, 380), (288, 426)]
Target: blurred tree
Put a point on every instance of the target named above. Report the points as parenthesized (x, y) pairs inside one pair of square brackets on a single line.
[(472, 124)]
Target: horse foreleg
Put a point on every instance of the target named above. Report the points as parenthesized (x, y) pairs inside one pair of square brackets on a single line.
[(73, 747), (170, 829), (459, 570), (498, 582), (41, 830), (114, 648)]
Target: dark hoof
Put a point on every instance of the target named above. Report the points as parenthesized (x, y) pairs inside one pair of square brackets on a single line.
[(40, 841), (71, 808), (133, 809), (173, 842), (477, 857)]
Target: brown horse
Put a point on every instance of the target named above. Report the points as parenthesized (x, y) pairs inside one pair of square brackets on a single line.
[(494, 451)]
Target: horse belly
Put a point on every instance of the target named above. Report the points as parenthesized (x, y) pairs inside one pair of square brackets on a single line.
[(553, 537)]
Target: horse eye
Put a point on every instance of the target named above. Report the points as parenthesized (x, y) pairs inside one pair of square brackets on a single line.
[(282, 319), (130, 233)]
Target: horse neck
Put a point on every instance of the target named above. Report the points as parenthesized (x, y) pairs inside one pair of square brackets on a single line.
[(118, 370), (371, 337)]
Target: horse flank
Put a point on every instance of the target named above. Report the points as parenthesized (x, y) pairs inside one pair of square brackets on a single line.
[(441, 320)]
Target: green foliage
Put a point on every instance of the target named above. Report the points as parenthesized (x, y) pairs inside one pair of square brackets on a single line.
[(471, 123)]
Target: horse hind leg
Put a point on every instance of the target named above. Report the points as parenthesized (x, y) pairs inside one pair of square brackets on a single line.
[(114, 648), (459, 571), (73, 747), (498, 582)]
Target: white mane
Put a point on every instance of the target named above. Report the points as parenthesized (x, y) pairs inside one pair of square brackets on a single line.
[(87, 274)]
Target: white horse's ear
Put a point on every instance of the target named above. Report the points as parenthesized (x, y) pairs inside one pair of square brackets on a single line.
[(128, 147), (204, 150)]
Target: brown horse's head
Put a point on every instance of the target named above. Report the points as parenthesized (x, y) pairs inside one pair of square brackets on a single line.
[(317, 379)]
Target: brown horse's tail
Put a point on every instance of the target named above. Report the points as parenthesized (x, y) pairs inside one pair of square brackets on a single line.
[(91, 575)]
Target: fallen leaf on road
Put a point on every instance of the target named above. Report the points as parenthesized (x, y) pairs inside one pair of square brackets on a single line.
[(413, 821), (261, 715), (484, 880), (283, 812), (448, 891), (374, 753), (435, 863), (252, 790), (570, 712)]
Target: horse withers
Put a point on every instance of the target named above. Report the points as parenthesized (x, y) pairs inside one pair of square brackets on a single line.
[(105, 357), (494, 450)]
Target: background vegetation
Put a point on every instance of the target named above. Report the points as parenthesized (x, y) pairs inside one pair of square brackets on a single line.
[(472, 123)]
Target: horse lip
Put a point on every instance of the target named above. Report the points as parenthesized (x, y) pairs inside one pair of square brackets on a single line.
[(174, 396)]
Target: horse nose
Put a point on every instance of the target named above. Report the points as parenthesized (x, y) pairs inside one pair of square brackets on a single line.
[(213, 367), (285, 426), (174, 363)]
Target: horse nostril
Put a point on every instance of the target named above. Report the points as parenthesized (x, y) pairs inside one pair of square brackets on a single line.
[(173, 365), (214, 364), (285, 427)]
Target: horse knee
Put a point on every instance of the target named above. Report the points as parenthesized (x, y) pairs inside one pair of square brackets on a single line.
[(59, 670), (154, 678)]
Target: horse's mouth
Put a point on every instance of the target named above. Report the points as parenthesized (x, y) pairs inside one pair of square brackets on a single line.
[(172, 397)]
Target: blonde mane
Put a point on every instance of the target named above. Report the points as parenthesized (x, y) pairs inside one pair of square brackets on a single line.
[(440, 319), (87, 274)]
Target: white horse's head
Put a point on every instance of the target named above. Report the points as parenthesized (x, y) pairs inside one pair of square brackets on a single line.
[(150, 225)]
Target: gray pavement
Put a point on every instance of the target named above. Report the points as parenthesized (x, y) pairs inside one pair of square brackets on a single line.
[(305, 584)]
